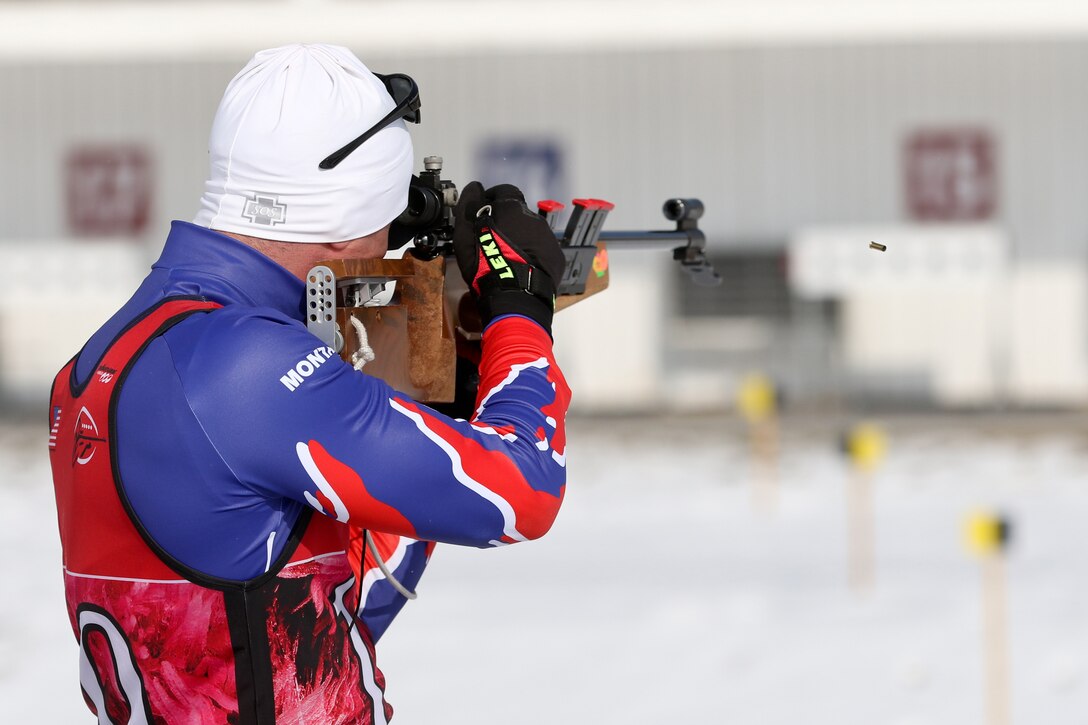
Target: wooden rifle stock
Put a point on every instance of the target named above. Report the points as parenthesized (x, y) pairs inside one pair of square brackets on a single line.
[(430, 320)]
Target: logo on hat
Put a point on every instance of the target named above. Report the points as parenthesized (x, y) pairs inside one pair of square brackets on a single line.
[(265, 210)]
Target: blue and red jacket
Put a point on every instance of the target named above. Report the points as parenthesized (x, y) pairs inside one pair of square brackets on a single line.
[(208, 510)]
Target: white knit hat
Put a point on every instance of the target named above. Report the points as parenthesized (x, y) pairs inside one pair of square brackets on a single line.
[(287, 110)]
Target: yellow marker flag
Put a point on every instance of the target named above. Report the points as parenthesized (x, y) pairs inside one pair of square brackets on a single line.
[(985, 533), (867, 445), (756, 398)]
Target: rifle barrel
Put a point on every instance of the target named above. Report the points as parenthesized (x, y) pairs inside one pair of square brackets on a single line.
[(654, 239), (687, 245)]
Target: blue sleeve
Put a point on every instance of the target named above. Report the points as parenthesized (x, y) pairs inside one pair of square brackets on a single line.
[(292, 420)]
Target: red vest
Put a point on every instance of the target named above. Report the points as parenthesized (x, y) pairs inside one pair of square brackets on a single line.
[(160, 642)]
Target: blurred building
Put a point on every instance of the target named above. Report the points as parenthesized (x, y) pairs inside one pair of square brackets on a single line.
[(952, 133)]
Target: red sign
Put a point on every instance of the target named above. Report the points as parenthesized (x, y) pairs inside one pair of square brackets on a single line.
[(951, 175), (109, 190)]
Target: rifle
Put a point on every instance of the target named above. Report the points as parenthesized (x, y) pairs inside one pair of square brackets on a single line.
[(424, 330)]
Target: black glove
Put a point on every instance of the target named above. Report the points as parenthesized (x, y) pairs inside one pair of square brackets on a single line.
[(508, 255)]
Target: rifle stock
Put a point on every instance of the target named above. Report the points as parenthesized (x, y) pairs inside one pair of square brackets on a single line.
[(430, 320)]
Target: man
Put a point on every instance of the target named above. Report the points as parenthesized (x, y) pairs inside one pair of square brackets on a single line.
[(205, 505)]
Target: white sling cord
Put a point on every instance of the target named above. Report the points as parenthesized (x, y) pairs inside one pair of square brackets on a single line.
[(401, 589), (359, 359), (365, 353)]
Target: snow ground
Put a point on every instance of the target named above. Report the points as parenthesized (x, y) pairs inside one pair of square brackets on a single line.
[(663, 594)]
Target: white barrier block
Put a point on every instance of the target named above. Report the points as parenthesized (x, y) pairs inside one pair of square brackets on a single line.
[(948, 334), (609, 346), (1049, 334)]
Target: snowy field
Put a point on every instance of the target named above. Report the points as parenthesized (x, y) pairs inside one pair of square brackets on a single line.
[(663, 595)]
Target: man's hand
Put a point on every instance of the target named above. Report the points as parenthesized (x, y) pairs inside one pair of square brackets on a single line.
[(508, 255)]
